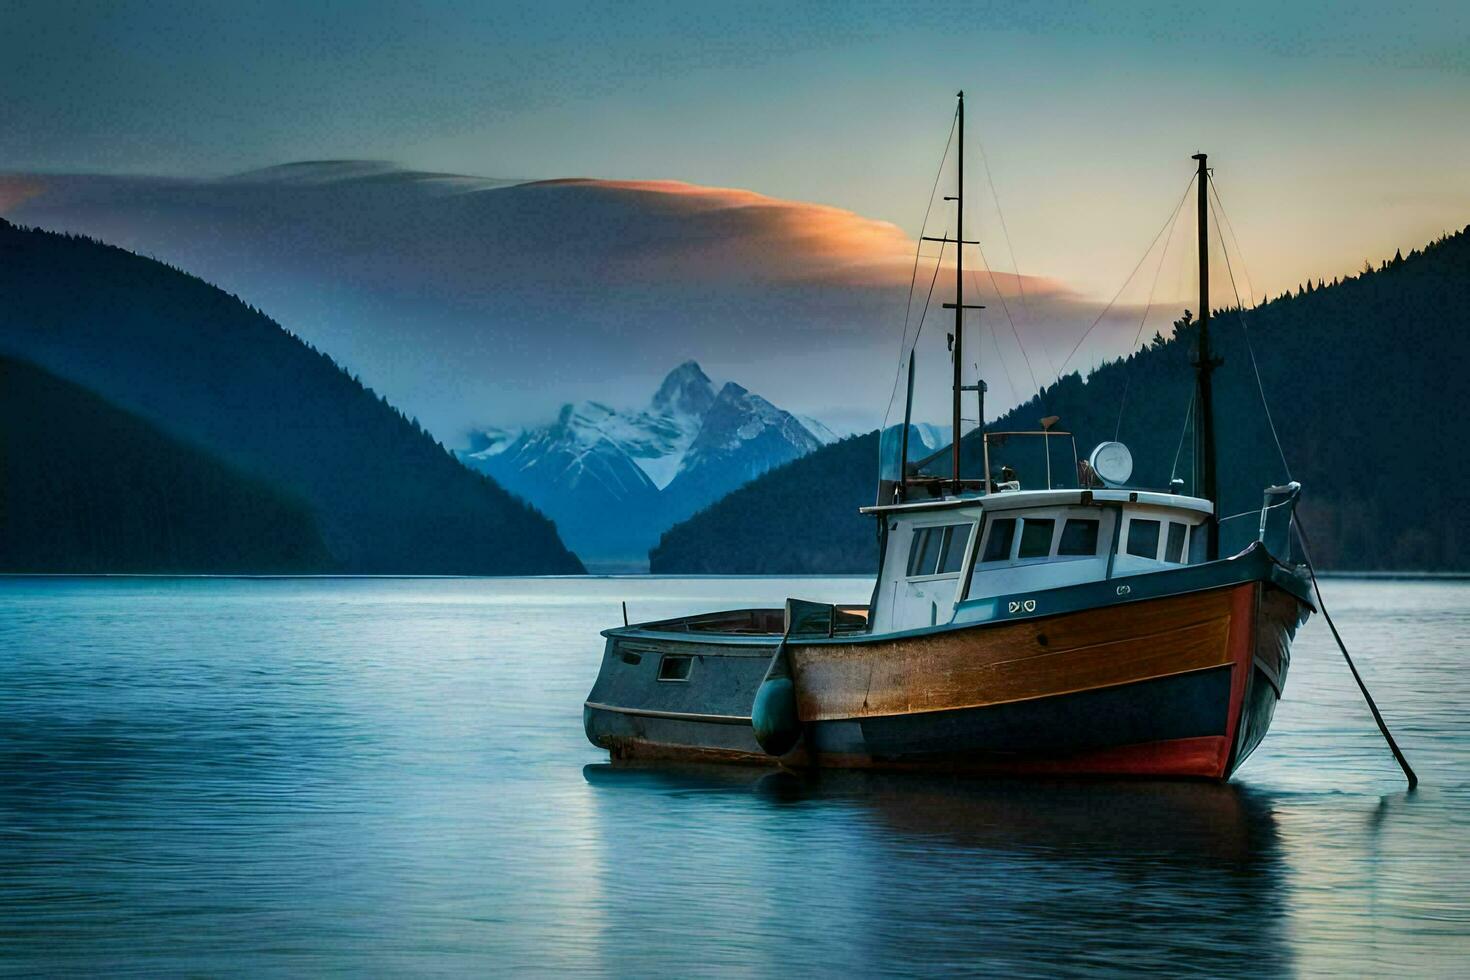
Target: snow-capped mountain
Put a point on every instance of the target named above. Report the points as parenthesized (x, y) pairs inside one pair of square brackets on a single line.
[(614, 480)]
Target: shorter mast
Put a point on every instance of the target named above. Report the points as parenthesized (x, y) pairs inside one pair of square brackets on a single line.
[(903, 439), (959, 288), (1204, 365)]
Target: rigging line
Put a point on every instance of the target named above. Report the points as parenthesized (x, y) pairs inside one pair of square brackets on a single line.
[(1128, 375), (914, 275), (1250, 349), (1000, 358), (1258, 511), (1006, 308), (1393, 746), (928, 298), (1005, 366), (1239, 252), (1172, 216), (1188, 416), (1010, 249)]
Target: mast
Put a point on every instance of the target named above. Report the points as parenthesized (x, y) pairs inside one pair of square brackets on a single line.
[(1204, 365), (957, 346), (959, 287)]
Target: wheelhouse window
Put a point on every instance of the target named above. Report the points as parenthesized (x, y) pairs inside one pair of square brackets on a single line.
[(1079, 538), (952, 555), (1143, 538), (938, 550), (1036, 535), (998, 544), (1174, 547)]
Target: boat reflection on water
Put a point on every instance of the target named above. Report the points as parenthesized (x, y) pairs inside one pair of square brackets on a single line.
[(934, 873)]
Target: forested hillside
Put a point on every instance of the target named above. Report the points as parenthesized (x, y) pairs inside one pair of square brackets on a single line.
[(88, 487), (1365, 376), (207, 369)]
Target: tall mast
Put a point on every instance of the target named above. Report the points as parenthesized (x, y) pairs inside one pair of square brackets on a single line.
[(1204, 365), (959, 287)]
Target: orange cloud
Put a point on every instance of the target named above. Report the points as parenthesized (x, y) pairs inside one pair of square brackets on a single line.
[(726, 233), (15, 191)]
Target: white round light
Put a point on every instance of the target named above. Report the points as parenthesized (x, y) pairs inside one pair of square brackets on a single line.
[(1112, 462)]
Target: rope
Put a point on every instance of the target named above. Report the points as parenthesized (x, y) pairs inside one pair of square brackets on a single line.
[(1001, 296), (1372, 706), (928, 299), (1188, 415), (1245, 331), (1153, 287), (914, 275), (1172, 216), (1258, 511), (1015, 388), (1011, 250), (1010, 379)]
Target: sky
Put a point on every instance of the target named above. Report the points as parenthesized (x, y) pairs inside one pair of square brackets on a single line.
[(1338, 131)]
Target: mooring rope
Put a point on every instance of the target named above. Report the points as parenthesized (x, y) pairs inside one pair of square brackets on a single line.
[(1221, 221), (1372, 706)]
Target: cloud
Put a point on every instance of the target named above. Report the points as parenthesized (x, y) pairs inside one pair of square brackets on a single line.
[(471, 300)]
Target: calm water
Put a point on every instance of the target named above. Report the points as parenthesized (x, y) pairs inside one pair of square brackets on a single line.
[(390, 776)]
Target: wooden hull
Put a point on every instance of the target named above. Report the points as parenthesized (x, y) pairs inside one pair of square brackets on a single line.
[(1174, 684)]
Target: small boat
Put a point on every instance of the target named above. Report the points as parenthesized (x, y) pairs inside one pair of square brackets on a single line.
[(1065, 630)]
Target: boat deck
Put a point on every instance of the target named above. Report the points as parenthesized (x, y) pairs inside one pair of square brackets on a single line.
[(756, 622)]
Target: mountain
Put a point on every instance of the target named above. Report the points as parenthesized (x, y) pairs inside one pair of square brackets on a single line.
[(204, 368), (1363, 376), (740, 437), (614, 480), (88, 487)]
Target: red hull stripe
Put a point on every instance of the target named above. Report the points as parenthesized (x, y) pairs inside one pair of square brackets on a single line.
[(1242, 652), (1203, 757)]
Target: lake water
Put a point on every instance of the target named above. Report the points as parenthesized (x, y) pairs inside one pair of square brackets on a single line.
[(390, 776)]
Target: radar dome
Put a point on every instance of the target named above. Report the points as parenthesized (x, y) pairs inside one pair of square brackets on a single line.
[(1112, 462)]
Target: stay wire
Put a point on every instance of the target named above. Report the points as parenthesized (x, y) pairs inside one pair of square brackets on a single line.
[(1005, 366), (1011, 250), (914, 275), (1143, 258), (1245, 331), (1007, 310), (1152, 289), (1188, 417)]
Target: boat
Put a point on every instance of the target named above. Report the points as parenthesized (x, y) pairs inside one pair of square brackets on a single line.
[(1090, 629)]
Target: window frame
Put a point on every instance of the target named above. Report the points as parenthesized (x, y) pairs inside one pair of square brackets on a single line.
[(667, 658), (1183, 558), (1010, 556), (1097, 537), (1165, 520), (946, 531)]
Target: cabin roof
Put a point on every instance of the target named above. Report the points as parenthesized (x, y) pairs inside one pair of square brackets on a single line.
[(1016, 499)]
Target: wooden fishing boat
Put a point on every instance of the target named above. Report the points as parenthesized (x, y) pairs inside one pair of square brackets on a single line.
[(1080, 630)]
